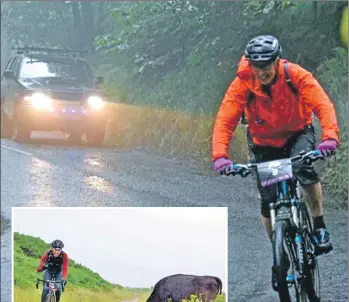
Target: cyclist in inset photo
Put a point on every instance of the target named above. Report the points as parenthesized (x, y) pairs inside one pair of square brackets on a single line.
[(279, 99), (54, 263)]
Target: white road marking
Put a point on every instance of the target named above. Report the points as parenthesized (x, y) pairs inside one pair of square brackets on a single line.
[(16, 150)]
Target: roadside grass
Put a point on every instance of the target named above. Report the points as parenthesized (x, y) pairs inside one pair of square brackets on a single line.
[(73, 295), (166, 131), (144, 296)]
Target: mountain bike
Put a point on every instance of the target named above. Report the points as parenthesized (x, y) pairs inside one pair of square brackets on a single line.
[(52, 285), (294, 247)]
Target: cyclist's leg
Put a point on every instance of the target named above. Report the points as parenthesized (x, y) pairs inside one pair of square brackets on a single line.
[(45, 288), (59, 286), (262, 154), (310, 183)]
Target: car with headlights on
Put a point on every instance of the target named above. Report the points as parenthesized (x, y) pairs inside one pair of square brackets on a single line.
[(52, 90)]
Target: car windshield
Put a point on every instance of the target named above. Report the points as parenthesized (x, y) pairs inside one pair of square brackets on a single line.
[(72, 69)]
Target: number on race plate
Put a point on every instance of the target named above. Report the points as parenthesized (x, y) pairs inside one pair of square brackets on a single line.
[(51, 285)]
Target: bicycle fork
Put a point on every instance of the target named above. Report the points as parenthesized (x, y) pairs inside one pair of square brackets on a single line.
[(294, 229), (294, 213)]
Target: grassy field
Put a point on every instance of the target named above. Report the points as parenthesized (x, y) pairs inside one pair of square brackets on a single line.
[(73, 295), (144, 296)]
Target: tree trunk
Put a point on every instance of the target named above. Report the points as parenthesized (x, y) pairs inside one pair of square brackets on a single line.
[(88, 25), (77, 24), (100, 18)]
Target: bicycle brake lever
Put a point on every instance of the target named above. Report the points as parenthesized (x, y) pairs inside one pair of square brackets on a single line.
[(231, 173), (245, 173), (228, 171)]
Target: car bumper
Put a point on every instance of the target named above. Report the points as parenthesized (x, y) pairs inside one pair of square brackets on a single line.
[(62, 118)]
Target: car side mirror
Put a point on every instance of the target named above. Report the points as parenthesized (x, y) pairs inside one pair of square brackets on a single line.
[(100, 80), (8, 74)]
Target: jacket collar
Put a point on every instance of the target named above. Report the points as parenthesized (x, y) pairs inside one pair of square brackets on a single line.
[(245, 74)]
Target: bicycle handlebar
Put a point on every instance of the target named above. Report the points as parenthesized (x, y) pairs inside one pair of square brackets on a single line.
[(64, 283), (244, 170)]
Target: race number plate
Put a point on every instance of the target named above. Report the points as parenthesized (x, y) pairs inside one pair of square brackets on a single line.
[(274, 171), (52, 285)]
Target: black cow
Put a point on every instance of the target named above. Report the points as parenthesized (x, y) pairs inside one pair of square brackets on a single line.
[(181, 286)]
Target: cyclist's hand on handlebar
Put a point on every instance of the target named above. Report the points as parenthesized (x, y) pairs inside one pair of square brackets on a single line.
[(221, 165), (327, 147)]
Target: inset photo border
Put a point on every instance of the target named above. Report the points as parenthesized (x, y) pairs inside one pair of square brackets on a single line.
[(120, 254)]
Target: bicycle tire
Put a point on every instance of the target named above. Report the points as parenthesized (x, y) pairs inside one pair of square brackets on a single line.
[(312, 286), (50, 299), (293, 258), (279, 269)]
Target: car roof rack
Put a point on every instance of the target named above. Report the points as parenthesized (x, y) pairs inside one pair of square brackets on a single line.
[(65, 52)]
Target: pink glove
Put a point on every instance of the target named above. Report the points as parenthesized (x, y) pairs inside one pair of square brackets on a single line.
[(220, 163), (327, 147)]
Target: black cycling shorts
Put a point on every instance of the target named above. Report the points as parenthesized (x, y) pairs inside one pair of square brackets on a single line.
[(306, 175)]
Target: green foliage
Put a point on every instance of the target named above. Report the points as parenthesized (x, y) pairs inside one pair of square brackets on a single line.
[(333, 75), (50, 19), (191, 70), (267, 7)]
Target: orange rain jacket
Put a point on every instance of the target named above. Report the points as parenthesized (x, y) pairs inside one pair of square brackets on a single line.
[(283, 115)]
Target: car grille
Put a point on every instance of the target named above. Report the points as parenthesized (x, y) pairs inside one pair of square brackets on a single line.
[(67, 95), (69, 110)]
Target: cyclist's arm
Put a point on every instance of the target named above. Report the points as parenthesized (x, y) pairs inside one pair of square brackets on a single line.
[(65, 266), (42, 262), (228, 117), (316, 98)]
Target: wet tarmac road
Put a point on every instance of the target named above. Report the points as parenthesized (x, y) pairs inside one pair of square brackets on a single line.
[(48, 173)]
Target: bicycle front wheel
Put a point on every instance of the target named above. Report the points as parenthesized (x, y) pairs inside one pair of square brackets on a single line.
[(280, 268), (312, 271), (50, 298)]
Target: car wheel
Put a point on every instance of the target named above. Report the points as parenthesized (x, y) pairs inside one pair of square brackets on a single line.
[(6, 126), (95, 137), (20, 132)]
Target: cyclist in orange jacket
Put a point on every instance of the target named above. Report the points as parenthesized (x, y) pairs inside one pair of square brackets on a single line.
[(279, 122), (55, 263)]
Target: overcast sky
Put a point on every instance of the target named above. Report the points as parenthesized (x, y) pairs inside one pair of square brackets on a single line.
[(135, 247)]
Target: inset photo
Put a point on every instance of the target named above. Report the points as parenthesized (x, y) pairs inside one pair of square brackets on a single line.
[(114, 254)]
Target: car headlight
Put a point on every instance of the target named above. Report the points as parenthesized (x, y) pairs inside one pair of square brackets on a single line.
[(39, 100), (95, 102)]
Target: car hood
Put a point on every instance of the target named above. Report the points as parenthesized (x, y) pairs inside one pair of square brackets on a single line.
[(61, 89)]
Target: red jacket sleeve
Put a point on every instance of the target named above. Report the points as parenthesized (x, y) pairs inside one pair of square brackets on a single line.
[(228, 118), (42, 262), (65, 265), (317, 100)]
